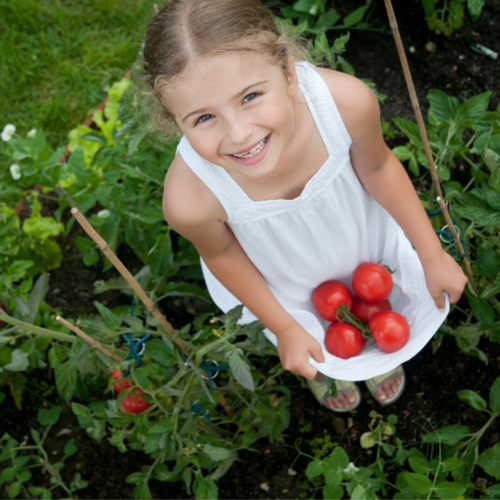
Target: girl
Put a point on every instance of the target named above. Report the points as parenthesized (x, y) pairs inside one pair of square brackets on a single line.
[(282, 180)]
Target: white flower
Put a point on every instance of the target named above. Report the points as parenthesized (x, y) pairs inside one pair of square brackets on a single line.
[(15, 171), (31, 133), (350, 469), (8, 132), (103, 213)]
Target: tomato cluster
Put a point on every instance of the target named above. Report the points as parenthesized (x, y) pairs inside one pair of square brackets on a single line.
[(133, 402), (368, 313)]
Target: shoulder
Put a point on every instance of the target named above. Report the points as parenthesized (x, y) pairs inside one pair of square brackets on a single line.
[(188, 203), (356, 102)]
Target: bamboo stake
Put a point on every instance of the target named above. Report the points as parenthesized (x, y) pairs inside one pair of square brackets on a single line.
[(425, 139), (125, 273), (89, 339), (137, 289)]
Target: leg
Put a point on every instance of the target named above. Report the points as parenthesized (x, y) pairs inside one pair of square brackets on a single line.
[(348, 394)]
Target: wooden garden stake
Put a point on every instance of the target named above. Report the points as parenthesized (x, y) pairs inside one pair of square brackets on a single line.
[(137, 289), (125, 273), (89, 339), (425, 139)]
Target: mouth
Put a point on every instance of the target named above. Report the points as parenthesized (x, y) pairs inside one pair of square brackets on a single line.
[(254, 151)]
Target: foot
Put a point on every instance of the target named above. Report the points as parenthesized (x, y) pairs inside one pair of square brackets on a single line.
[(344, 399), (388, 388)]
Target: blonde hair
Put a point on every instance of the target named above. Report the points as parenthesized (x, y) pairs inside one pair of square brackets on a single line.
[(184, 30)]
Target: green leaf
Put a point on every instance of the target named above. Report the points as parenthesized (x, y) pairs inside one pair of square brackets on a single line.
[(314, 469), (492, 289), (481, 206), (159, 351), (418, 482), (419, 464), (66, 378), (110, 318), (14, 489), (442, 107), (41, 492), (474, 108), (482, 310), (487, 262), (410, 130), (141, 492), (50, 416), (239, 367), (70, 448), (333, 492), (452, 464), (402, 153), (19, 361), (164, 425), (217, 454), (495, 396), (489, 460), (450, 434), (355, 17), (135, 477), (475, 8), (205, 489), (473, 399), (449, 491)]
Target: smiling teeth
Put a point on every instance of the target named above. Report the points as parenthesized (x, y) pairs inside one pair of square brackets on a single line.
[(254, 151)]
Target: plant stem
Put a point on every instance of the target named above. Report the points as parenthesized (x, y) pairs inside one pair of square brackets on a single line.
[(36, 329)]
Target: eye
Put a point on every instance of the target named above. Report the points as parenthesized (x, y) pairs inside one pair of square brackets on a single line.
[(203, 118), (251, 96)]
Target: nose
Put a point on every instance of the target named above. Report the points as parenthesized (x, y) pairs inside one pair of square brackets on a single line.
[(238, 130)]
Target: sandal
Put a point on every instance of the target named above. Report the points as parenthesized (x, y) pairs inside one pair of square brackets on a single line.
[(373, 384), (319, 389)]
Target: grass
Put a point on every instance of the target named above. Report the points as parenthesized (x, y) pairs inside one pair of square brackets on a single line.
[(57, 58)]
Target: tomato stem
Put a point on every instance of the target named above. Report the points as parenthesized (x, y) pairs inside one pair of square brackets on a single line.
[(345, 315)]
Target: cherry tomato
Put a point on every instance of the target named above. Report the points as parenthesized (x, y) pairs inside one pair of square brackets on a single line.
[(390, 330), (344, 340), (328, 297), (364, 310), (121, 382), (5, 310), (372, 282), (133, 402)]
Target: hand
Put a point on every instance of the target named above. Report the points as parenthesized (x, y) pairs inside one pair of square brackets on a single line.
[(295, 346), (443, 274)]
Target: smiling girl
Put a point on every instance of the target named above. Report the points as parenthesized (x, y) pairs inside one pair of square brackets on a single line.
[(282, 179)]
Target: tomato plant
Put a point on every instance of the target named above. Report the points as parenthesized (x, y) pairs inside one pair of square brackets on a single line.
[(372, 282), (365, 310), (134, 403), (390, 330), (121, 382), (328, 297), (344, 340)]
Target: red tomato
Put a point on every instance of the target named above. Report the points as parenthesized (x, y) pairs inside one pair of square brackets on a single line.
[(5, 310), (328, 297), (364, 310), (133, 402), (372, 282), (390, 330), (121, 382), (344, 340)]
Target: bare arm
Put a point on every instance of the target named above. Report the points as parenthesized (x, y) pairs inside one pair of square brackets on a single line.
[(386, 180), (193, 211)]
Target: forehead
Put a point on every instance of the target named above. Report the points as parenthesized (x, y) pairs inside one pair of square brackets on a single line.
[(215, 80)]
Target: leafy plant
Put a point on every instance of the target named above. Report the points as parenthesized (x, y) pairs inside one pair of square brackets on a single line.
[(446, 16), (16, 473)]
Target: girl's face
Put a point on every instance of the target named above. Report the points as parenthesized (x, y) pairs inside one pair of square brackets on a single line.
[(237, 111)]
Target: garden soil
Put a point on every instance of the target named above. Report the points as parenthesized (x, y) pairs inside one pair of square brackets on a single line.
[(432, 379)]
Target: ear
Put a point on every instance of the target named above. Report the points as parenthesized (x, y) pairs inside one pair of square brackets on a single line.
[(291, 76)]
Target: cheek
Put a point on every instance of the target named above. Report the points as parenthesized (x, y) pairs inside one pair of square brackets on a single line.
[(205, 142)]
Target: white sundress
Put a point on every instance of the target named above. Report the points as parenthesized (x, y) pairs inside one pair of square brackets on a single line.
[(323, 234)]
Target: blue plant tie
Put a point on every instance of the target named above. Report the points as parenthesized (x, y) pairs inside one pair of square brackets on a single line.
[(435, 212), (195, 408), (136, 348), (210, 369)]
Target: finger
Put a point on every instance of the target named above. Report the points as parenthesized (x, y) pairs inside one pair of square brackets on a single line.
[(454, 297), (440, 302), (308, 371), (317, 353)]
